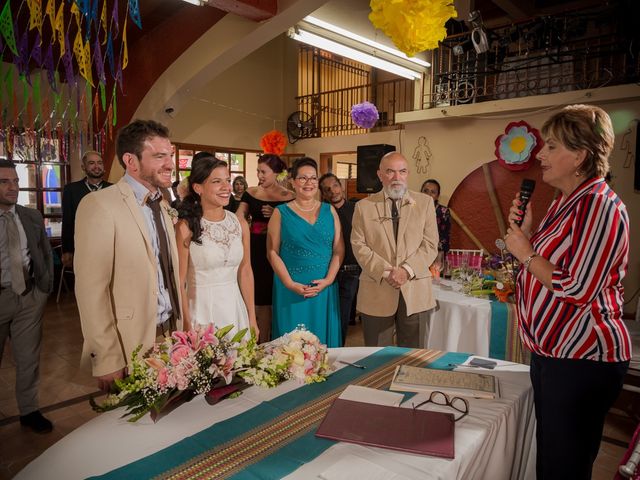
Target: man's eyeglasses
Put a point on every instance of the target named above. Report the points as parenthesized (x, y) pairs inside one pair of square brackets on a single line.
[(305, 180), (459, 404)]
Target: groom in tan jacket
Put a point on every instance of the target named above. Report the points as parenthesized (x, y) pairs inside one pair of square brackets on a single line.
[(126, 261), (395, 239)]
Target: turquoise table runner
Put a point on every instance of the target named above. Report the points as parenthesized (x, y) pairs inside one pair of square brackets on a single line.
[(504, 340), (276, 437), (499, 327)]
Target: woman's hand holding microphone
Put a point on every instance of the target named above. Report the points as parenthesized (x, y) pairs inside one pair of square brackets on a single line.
[(518, 234)]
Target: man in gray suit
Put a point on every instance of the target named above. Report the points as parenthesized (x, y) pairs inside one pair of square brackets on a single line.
[(26, 279)]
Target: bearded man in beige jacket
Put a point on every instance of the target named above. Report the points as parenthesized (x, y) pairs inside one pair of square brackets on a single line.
[(126, 260), (395, 239)]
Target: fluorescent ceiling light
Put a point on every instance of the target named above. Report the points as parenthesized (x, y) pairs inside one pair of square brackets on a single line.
[(199, 3), (339, 49), (346, 33)]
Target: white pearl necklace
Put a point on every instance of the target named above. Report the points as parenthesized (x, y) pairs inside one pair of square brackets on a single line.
[(315, 205)]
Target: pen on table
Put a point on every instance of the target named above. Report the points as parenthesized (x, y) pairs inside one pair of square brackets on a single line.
[(352, 364), (465, 365), (507, 364)]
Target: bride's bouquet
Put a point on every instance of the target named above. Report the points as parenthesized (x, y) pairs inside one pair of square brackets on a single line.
[(198, 361), (174, 371), (296, 355)]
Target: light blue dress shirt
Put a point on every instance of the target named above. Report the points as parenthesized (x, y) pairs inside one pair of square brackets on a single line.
[(142, 193)]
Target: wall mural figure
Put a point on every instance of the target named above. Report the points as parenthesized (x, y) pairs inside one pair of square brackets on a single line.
[(422, 156)]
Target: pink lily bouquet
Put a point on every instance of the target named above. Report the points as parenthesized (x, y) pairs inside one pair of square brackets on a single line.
[(296, 355), (191, 363), (184, 365)]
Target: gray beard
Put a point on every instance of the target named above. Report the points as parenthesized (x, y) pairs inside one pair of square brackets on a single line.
[(395, 192)]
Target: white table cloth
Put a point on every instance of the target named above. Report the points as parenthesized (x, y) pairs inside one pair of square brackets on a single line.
[(495, 441), (459, 323)]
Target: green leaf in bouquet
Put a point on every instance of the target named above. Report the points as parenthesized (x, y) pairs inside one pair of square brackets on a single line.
[(484, 291), (238, 336), (138, 413), (223, 331), (102, 407)]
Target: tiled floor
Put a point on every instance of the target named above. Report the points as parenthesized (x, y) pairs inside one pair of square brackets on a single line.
[(64, 389)]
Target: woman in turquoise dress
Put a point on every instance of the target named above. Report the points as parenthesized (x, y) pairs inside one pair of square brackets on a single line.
[(305, 248)]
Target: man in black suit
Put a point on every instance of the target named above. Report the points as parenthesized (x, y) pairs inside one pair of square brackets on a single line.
[(26, 279), (93, 167), (349, 273)]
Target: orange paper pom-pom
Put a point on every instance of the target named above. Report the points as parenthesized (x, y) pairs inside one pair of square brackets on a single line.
[(273, 142)]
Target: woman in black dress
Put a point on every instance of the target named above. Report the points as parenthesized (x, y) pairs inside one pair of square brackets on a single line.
[(258, 203)]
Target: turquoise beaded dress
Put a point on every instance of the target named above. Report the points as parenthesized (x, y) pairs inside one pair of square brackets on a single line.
[(306, 251)]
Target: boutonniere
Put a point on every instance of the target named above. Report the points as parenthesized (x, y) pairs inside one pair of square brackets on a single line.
[(409, 201), (173, 213)]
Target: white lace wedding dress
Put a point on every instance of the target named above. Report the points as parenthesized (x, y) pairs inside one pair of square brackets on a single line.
[(212, 277)]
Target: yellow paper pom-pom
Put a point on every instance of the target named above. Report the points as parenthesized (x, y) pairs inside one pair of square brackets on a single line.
[(412, 25)]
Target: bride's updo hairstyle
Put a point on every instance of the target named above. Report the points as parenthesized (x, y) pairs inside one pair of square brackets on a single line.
[(191, 208)]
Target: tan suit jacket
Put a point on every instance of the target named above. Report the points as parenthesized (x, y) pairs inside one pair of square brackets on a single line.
[(116, 277), (375, 249)]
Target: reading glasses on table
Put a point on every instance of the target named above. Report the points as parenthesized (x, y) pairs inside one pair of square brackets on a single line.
[(437, 397)]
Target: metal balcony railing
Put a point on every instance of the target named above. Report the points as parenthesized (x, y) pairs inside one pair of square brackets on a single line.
[(331, 110), (585, 49), (576, 51)]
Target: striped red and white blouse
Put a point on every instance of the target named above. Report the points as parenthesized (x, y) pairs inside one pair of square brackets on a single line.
[(586, 237)]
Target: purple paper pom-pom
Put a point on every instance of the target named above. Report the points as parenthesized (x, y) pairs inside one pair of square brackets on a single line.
[(364, 115)]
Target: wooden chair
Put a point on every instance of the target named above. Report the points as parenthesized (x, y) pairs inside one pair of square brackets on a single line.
[(63, 270)]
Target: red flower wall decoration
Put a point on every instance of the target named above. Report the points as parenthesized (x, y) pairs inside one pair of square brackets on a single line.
[(518, 147)]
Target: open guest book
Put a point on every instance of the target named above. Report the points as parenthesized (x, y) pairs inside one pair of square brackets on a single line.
[(404, 429), (464, 384)]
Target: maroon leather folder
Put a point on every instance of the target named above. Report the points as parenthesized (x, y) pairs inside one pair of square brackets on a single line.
[(405, 429)]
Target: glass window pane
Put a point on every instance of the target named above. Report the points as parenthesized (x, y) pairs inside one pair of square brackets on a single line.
[(49, 150), (222, 156), (342, 170), (52, 202), (28, 199), (237, 161), (53, 227), (51, 176), (26, 175), (184, 158)]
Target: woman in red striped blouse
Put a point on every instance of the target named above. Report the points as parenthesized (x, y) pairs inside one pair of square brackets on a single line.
[(570, 294)]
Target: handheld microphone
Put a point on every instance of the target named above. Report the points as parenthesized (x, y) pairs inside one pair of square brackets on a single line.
[(526, 190)]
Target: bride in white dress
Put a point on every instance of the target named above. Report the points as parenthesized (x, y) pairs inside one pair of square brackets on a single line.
[(216, 280)]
